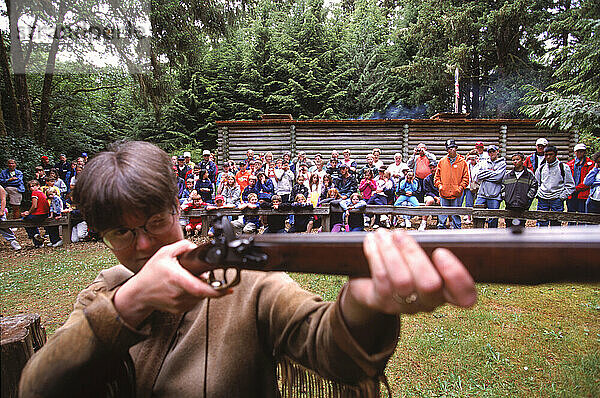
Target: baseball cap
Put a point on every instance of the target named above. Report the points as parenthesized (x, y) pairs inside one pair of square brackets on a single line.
[(541, 141), (62, 155), (187, 155), (205, 152), (180, 158), (580, 147), (451, 144), (479, 143), (492, 148), (84, 154), (44, 157)]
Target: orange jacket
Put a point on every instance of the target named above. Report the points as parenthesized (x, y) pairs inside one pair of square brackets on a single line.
[(452, 178)]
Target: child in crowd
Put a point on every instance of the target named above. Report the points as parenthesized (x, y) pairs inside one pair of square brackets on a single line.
[(55, 202), (333, 199), (326, 185), (302, 222), (250, 223), (80, 228), (204, 186), (264, 187), (407, 190), (355, 221), (57, 182), (219, 204), (184, 196), (367, 185), (194, 224), (231, 191), (314, 189), (38, 212), (276, 222)]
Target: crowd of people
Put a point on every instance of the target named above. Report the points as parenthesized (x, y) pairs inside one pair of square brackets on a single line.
[(477, 178)]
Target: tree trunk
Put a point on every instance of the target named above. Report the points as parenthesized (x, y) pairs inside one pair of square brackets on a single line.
[(2, 125), (22, 335), (48, 76), (20, 78), (475, 86), (10, 90)]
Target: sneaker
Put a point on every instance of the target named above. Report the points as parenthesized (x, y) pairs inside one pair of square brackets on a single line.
[(14, 230), (408, 224), (423, 225), (39, 239), (15, 245), (58, 244)]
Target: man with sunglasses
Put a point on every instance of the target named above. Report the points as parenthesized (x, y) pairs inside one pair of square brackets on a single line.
[(183, 338)]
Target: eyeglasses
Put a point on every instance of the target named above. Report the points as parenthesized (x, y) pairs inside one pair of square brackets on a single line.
[(121, 238)]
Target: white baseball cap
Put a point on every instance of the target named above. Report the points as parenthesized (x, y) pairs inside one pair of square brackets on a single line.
[(580, 146), (205, 152), (187, 155), (541, 141)]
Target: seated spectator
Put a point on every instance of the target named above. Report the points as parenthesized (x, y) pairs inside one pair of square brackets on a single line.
[(407, 194), (367, 185), (349, 162), (80, 228), (333, 166), (355, 221), (45, 165), (276, 222), (346, 183), (12, 181), (285, 182), (250, 223), (185, 194), (56, 209), (62, 166), (251, 188), (369, 166), (314, 189), (242, 177), (335, 217), (204, 186), (6, 232), (302, 222), (58, 182), (231, 191), (40, 175), (299, 188), (265, 188), (194, 225), (38, 212), (326, 185)]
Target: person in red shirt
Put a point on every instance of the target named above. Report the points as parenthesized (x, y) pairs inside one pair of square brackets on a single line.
[(241, 177), (580, 166), (38, 212)]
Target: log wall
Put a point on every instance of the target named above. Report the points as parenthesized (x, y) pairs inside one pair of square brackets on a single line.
[(391, 136)]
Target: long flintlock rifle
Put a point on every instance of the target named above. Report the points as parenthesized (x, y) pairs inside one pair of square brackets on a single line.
[(511, 256)]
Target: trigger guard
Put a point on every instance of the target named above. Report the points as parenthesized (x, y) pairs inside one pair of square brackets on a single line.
[(225, 284)]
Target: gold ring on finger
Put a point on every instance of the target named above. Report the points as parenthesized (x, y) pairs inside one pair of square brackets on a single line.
[(411, 298)]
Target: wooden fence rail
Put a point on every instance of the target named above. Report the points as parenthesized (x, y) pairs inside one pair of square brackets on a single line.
[(479, 215), (64, 222)]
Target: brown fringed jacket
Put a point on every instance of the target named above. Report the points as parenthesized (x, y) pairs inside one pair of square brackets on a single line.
[(228, 347)]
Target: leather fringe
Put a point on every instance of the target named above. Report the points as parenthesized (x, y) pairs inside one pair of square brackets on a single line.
[(297, 381)]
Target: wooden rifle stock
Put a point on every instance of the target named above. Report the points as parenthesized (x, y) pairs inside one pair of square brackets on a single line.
[(526, 257)]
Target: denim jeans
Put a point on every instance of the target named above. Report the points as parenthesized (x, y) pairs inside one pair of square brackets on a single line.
[(32, 231), (469, 198), (489, 204), (577, 206), (592, 206), (455, 219), (550, 205)]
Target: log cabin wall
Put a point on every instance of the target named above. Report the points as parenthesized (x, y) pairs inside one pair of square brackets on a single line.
[(391, 136)]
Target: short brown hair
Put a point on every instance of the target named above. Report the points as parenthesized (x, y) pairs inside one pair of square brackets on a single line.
[(110, 185)]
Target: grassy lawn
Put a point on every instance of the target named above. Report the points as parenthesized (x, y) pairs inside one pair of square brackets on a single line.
[(517, 342)]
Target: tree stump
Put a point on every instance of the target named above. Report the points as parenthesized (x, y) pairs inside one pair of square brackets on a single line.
[(22, 335)]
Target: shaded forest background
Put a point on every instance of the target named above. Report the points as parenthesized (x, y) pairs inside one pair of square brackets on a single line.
[(219, 60)]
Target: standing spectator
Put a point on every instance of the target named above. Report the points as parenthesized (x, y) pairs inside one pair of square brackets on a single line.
[(395, 168), (12, 181), (555, 184), (249, 158), (451, 179), (187, 156), (182, 169), (209, 165), (285, 183), (489, 175), (45, 164), (537, 158), (481, 152), (376, 161), (369, 166), (243, 175), (62, 166), (84, 158), (519, 187), (346, 184), (333, 166), (318, 168), (184, 196), (349, 162), (592, 180), (420, 162), (5, 232), (471, 191), (40, 174), (580, 166)]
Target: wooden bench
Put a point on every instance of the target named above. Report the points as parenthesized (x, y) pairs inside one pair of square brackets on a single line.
[(64, 222)]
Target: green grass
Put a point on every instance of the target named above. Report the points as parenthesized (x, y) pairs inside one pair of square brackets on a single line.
[(516, 342)]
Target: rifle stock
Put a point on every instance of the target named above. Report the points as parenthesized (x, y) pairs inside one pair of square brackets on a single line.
[(525, 257)]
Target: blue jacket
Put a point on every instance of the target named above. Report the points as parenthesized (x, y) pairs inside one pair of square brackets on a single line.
[(265, 190), (18, 183)]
